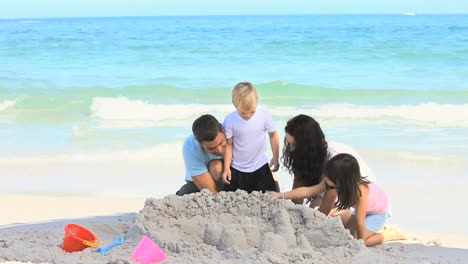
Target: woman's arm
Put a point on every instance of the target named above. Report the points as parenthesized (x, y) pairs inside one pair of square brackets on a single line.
[(297, 183), (304, 192)]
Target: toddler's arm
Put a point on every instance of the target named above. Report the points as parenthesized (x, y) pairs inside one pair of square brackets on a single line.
[(274, 143), (227, 162)]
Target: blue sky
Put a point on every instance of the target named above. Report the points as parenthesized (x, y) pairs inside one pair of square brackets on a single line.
[(63, 8)]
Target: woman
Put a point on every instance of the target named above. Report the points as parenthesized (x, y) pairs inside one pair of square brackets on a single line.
[(306, 152)]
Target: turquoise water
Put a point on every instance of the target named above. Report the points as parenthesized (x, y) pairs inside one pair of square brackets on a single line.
[(354, 52), (90, 90), (127, 82)]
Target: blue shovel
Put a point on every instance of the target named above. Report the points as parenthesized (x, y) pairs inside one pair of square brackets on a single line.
[(119, 240)]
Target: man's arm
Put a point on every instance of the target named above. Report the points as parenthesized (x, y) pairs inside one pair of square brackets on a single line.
[(205, 181), (196, 168)]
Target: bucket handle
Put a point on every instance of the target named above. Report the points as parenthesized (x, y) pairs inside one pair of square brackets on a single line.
[(96, 242)]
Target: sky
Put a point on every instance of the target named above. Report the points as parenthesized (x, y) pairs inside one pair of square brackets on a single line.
[(105, 8)]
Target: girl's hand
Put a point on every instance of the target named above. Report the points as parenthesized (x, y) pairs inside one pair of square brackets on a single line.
[(227, 176)]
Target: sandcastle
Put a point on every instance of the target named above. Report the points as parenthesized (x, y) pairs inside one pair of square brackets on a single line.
[(233, 227), (237, 227)]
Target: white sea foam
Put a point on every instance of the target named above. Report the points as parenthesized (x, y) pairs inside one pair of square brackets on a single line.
[(124, 112), (424, 114), (7, 104)]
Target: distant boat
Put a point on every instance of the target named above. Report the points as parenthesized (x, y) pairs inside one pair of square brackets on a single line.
[(409, 14)]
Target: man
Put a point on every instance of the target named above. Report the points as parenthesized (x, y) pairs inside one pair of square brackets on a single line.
[(203, 153)]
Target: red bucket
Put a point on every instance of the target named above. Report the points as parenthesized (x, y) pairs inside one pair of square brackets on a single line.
[(77, 238)]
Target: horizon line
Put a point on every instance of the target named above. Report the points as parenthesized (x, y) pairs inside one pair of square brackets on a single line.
[(228, 15)]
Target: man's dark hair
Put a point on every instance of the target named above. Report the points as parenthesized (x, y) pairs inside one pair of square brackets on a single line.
[(206, 128)]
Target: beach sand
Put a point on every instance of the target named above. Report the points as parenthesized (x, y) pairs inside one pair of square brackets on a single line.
[(201, 228), (23, 209)]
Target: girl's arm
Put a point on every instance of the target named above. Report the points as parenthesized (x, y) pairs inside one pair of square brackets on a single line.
[(361, 207), (227, 162), (328, 202), (274, 143)]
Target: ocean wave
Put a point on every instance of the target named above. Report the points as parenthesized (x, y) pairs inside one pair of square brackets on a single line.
[(152, 105), (166, 89), (7, 104), (424, 114), (124, 112)]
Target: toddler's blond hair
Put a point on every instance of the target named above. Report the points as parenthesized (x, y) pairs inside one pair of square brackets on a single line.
[(244, 96)]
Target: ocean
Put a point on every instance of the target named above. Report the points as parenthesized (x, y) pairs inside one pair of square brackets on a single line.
[(94, 93)]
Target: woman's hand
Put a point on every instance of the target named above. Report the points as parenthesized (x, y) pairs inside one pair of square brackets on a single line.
[(277, 195)]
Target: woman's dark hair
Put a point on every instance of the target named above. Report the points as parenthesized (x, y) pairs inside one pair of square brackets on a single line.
[(206, 128), (343, 170), (306, 159)]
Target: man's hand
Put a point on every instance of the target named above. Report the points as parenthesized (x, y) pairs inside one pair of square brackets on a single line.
[(205, 181)]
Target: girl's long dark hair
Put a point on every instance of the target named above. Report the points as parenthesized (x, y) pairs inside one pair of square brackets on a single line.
[(305, 160), (343, 170)]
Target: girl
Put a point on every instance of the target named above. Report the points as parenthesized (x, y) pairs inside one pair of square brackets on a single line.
[(344, 189)]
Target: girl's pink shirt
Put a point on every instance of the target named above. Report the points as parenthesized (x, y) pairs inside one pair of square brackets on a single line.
[(377, 200)]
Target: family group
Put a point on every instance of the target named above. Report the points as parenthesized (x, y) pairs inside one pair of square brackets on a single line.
[(331, 177)]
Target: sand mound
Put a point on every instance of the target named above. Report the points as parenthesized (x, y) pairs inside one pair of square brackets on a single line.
[(238, 228), (202, 228)]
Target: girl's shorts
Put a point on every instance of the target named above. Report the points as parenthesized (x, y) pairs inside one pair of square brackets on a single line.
[(374, 222)]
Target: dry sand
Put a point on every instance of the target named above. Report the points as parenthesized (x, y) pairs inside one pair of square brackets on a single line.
[(226, 228), (19, 209)]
